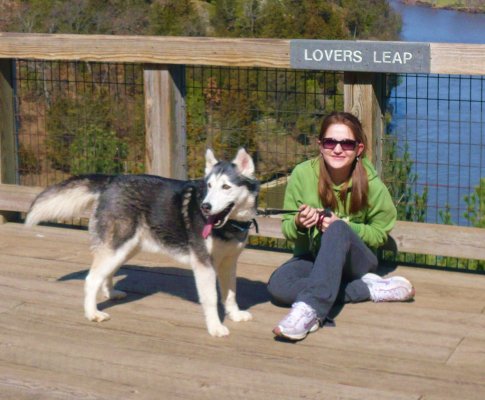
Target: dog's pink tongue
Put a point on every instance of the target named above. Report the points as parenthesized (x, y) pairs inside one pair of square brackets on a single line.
[(207, 230)]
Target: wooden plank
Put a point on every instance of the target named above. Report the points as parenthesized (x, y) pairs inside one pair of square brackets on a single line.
[(147, 49), (166, 147), (469, 352), (20, 276), (8, 147), (16, 197), (408, 237), (19, 382), (42, 319), (419, 347), (363, 97), (447, 58), (19, 198), (142, 355), (415, 237), (268, 227), (8, 154), (437, 239)]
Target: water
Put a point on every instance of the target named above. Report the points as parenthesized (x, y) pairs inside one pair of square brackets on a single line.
[(442, 117), (425, 24)]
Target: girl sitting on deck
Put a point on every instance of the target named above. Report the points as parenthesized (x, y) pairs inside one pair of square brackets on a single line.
[(333, 249)]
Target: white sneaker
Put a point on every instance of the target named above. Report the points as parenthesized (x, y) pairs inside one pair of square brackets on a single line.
[(299, 322), (394, 288)]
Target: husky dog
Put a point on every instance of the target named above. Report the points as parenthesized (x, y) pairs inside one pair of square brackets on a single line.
[(203, 223)]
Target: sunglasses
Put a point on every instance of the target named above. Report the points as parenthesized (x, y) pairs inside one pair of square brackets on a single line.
[(346, 144)]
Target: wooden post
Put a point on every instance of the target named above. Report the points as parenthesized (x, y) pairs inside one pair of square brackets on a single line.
[(166, 147), (364, 97), (8, 147)]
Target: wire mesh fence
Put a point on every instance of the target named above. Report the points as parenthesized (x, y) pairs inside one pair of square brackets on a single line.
[(438, 125), (275, 114), (76, 117), (435, 154)]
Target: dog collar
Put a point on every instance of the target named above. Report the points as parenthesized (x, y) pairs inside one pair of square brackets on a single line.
[(241, 226)]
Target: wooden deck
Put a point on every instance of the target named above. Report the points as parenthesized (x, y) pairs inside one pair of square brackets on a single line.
[(156, 345)]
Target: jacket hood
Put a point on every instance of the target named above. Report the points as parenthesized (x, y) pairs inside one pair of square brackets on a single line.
[(369, 167)]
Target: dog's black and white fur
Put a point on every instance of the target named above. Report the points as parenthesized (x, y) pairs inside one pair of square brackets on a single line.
[(203, 223)]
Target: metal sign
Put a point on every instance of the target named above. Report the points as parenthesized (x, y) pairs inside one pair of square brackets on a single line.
[(341, 55)]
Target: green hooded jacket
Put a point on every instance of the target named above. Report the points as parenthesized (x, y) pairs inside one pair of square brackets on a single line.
[(371, 224)]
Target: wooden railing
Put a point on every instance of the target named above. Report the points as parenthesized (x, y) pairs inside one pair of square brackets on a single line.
[(163, 59), (446, 58), (411, 237)]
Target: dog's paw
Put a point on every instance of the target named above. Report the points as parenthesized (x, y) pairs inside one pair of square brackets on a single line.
[(240, 316), (98, 316), (218, 330), (115, 295)]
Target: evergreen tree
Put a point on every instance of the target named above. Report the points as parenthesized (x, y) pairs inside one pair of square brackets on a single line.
[(175, 18), (475, 202), (371, 19), (224, 18), (236, 18), (310, 19)]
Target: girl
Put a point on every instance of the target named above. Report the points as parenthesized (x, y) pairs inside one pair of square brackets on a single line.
[(333, 249)]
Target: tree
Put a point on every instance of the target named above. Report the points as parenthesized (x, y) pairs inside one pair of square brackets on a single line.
[(475, 202), (475, 214), (399, 178), (78, 16), (371, 20), (175, 18), (74, 120), (310, 19), (319, 19), (224, 18), (236, 18)]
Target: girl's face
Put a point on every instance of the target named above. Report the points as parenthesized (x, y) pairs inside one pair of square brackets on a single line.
[(339, 150)]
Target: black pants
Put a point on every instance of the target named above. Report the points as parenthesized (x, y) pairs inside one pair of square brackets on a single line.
[(343, 258)]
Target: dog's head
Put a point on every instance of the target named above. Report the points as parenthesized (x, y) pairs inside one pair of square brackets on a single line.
[(232, 190)]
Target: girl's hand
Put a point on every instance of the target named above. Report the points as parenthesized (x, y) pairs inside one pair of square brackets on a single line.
[(307, 216), (327, 220)]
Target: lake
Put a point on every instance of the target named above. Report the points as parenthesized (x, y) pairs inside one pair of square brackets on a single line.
[(442, 117), (425, 24)]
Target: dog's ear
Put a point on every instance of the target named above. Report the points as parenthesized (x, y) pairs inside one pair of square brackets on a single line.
[(210, 161), (244, 163)]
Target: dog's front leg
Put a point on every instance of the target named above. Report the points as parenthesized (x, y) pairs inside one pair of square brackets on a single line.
[(227, 281), (206, 283)]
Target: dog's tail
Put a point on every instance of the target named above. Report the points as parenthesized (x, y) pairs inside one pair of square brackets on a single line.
[(67, 199)]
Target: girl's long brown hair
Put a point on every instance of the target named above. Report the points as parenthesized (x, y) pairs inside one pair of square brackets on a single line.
[(360, 183)]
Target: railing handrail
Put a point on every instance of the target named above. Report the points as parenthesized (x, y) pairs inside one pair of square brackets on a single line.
[(410, 237), (445, 58)]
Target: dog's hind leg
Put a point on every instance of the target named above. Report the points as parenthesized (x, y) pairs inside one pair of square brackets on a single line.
[(206, 283), (105, 264), (227, 283)]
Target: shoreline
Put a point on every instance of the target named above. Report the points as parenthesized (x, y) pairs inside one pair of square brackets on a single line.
[(429, 4)]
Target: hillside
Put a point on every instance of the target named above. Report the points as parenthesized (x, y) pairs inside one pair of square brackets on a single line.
[(311, 19), (471, 6)]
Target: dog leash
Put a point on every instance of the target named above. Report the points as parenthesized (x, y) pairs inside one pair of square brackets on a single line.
[(245, 226), (265, 212), (326, 212), (273, 211)]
